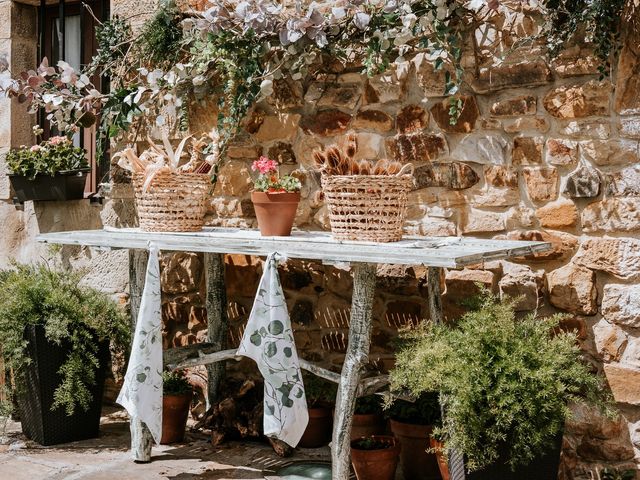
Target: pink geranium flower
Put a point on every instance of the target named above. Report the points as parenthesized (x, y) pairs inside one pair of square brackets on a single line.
[(264, 165), (35, 148), (58, 140)]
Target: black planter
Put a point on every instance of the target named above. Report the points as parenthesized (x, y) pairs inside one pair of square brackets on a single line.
[(61, 186), (544, 467), (35, 395)]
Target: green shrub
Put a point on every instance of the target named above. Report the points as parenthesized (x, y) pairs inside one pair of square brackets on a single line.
[(175, 383), (503, 381), (47, 158), (70, 314), (424, 411)]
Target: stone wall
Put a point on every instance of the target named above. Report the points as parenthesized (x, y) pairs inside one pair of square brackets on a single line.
[(544, 152)]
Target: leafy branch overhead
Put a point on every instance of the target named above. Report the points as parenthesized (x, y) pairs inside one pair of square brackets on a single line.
[(232, 53)]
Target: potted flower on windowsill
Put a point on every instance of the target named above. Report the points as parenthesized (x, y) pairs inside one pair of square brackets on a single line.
[(177, 394), (275, 198), (54, 169)]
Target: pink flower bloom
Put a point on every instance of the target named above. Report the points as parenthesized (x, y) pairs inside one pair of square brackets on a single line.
[(264, 165), (35, 148), (58, 140)]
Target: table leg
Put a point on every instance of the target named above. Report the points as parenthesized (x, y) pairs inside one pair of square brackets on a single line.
[(141, 439), (434, 293), (364, 282), (217, 321)]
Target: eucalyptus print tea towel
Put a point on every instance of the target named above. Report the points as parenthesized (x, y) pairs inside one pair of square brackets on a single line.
[(141, 394), (268, 340)]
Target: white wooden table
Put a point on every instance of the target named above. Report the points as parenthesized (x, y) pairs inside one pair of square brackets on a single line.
[(435, 253)]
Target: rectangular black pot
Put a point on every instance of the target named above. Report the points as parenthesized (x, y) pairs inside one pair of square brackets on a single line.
[(61, 186), (544, 467), (35, 395)]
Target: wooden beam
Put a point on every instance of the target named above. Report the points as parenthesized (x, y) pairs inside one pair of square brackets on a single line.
[(434, 293), (364, 282), (141, 439), (217, 321)]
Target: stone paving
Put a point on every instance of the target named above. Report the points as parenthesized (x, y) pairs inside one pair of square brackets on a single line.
[(107, 457)]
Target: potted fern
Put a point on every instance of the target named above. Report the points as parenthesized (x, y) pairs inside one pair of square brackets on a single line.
[(56, 337), (54, 169), (506, 385)]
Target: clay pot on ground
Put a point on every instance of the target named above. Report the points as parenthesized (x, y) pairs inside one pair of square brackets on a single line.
[(175, 411), (438, 447), (275, 212), (415, 460), (367, 424), (375, 457), (319, 429)]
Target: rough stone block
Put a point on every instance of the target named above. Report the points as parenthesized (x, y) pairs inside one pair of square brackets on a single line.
[(515, 106), (520, 280), (468, 115), (488, 149), (624, 383), (234, 179), (612, 215), (578, 101), (374, 120), (527, 150), (623, 183), (609, 152), (341, 95), (278, 127), (542, 183), (326, 123), (412, 118), (561, 151), (181, 272), (559, 214), (384, 88), (595, 129), (610, 341), (416, 147), (629, 127), (573, 288), (453, 175), (583, 183), (527, 124), (563, 245), (514, 75), (482, 221), (627, 101), (282, 153), (621, 305), (619, 257), (430, 80)]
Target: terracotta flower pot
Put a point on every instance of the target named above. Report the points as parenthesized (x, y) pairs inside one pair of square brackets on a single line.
[(175, 411), (440, 457), (275, 212), (319, 428), (367, 424), (379, 464), (416, 462)]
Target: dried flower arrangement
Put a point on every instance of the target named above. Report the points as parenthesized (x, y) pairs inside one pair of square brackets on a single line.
[(339, 159)]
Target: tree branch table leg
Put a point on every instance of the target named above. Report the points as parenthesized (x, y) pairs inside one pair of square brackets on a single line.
[(364, 282), (141, 439), (435, 294), (217, 321)]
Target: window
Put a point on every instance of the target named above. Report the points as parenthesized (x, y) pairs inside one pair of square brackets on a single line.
[(74, 41)]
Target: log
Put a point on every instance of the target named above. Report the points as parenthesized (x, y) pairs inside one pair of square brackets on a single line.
[(217, 321), (434, 294), (141, 439), (364, 281)]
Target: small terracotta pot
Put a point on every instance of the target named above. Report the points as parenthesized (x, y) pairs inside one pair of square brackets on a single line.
[(378, 464), (367, 424), (175, 411), (275, 212), (440, 457), (416, 462), (319, 429)]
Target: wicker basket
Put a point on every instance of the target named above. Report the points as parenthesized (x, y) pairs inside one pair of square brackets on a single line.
[(368, 207), (173, 202)]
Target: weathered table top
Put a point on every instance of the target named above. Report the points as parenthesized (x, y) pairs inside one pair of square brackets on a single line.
[(448, 252)]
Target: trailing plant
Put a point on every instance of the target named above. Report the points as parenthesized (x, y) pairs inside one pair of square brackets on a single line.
[(58, 154), (270, 180), (72, 315), (161, 39), (318, 391), (175, 383), (504, 382), (113, 38)]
